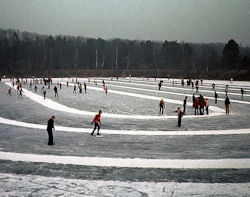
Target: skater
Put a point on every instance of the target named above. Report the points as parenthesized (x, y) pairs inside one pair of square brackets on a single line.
[(49, 129), (197, 89), (196, 105), (193, 99), (106, 90), (67, 84), (21, 92), (207, 105), (215, 97), (192, 84), (97, 122), (180, 114), (80, 88), (202, 104), (74, 91), (213, 86), (184, 104), (242, 92), (85, 87), (60, 85), (182, 83), (44, 92), (227, 103), (226, 90), (159, 85), (35, 88), (56, 93), (9, 91), (162, 106)]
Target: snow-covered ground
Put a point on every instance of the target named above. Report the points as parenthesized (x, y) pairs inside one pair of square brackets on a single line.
[(142, 153)]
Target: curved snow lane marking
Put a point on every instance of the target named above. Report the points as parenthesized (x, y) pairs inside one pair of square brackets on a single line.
[(212, 108), (130, 163), (166, 87), (59, 107), (127, 132)]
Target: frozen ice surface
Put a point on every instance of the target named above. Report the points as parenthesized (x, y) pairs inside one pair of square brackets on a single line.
[(30, 185), (43, 179)]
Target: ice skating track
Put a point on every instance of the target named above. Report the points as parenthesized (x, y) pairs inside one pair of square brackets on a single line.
[(138, 163), (215, 111)]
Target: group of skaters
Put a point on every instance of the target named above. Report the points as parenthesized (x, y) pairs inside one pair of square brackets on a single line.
[(200, 104)]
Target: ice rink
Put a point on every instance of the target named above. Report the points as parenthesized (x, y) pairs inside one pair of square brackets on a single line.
[(141, 153)]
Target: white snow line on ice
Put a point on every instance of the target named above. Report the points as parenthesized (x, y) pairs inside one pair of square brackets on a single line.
[(59, 107), (146, 85), (175, 93), (127, 132), (212, 108), (130, 163), (206, 84)]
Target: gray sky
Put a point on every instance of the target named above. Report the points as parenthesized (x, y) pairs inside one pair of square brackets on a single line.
[(182, 20)]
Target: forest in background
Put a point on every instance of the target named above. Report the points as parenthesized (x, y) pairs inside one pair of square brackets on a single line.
[(25, 53)]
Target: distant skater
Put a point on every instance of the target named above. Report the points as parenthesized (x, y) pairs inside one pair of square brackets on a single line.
[(85, 87), (159, 85), (184, 105), (97, 122), (49, 129), (44, 92), (226, 90), (207, 105), (227, 103), (215, 97), (56, 92), (35, 88), (242, 92), (74, 90), (9, 91), (162, 106), (213, 86), (106, 90), (180, 114), (21, 92), (197, 89)]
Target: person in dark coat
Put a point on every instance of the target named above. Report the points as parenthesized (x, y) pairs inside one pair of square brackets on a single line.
[(49, 129), (227, 103), (184, 105), (180, 114), (215, 97)]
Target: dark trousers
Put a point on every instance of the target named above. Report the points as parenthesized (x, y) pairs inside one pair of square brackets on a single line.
[(50, 142), (98, 128), (184, 109), (161, 110), (196, 110), (207, 110), (179, 121)]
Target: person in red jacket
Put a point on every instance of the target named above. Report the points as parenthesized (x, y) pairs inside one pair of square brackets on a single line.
[(97, 122)]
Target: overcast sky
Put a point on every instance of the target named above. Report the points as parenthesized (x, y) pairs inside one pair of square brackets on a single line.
[(182, 20)]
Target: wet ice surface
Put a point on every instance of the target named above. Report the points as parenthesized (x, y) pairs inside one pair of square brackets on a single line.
[(79, 181), (30, 185)]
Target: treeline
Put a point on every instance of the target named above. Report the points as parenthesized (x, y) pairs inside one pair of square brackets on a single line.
[(31, 51)]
